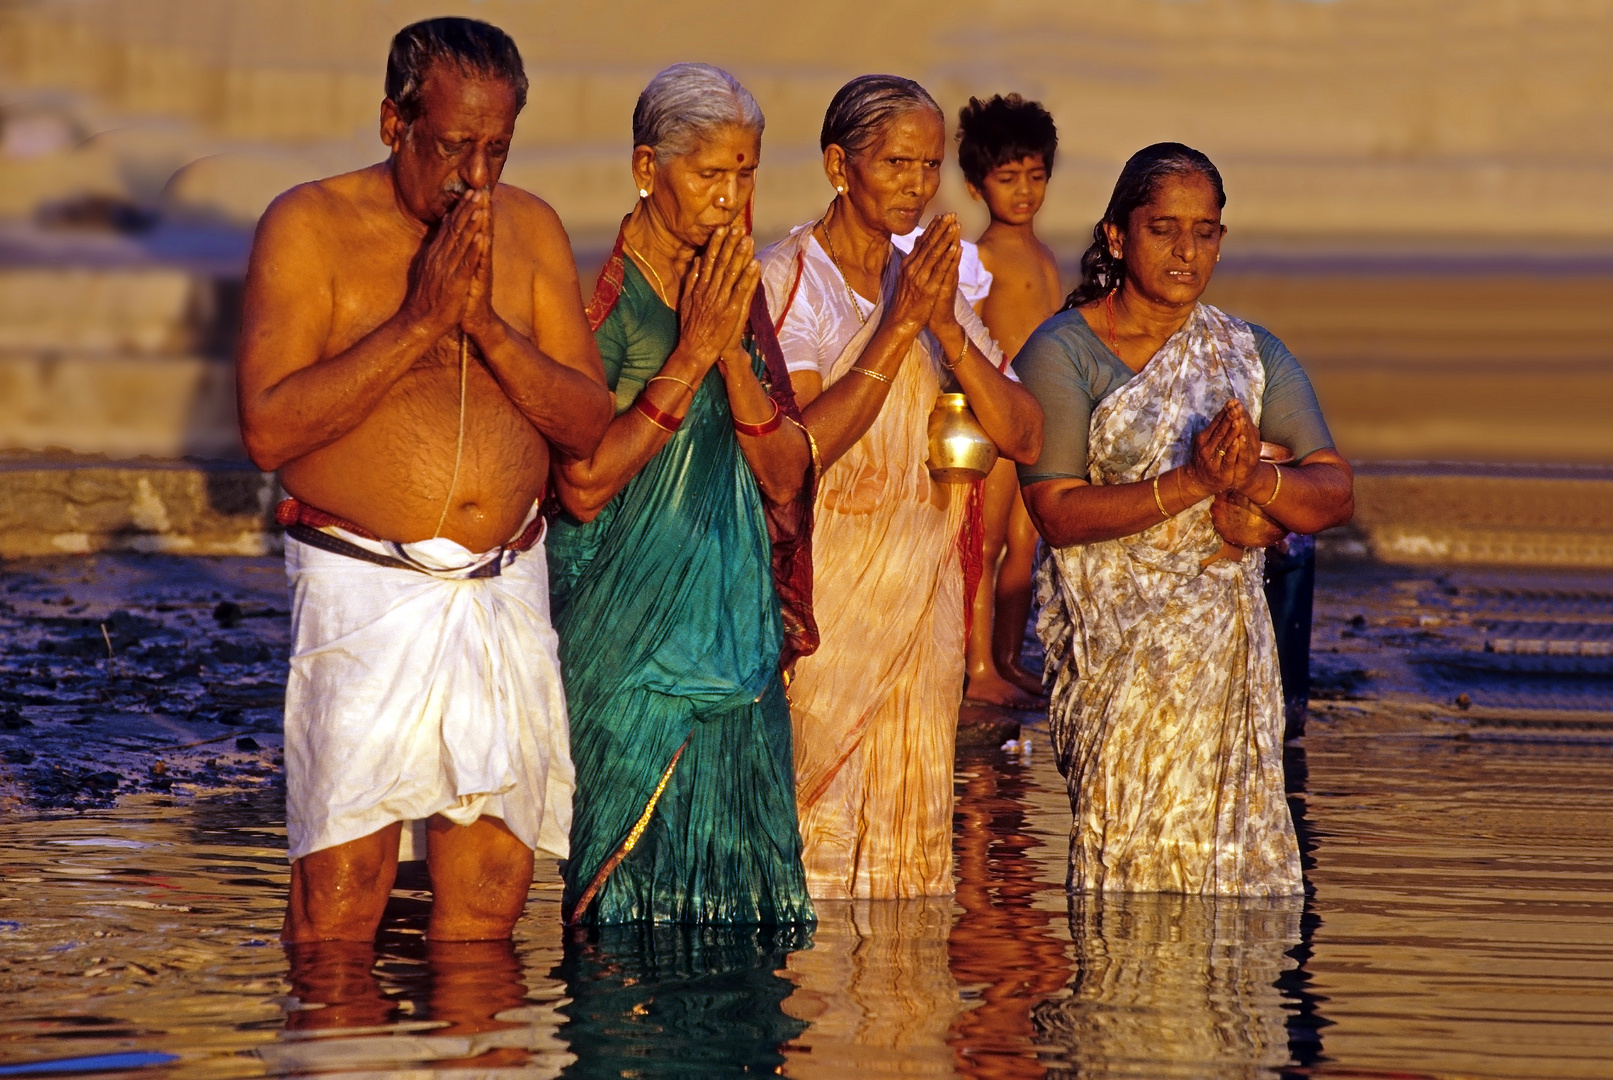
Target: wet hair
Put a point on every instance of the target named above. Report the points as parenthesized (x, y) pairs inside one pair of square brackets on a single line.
[(1001, 131), (476, 48), (1140, 180), (687, 103), (861, 109)]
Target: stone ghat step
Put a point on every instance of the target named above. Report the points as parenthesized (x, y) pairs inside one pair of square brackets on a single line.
[(132, 309), (59, 504), (1432, 513), (1406, 513), (121, 406)]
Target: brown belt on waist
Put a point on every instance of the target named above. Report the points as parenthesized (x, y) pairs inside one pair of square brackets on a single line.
[(304, 524)]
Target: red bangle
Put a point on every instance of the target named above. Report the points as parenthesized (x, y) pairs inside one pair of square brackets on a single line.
[(663, 420), (766, 427)]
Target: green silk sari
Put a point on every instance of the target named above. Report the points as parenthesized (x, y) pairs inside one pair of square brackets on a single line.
[(670, 640)]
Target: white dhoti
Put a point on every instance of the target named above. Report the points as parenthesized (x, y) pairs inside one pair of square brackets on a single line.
[(425, 691)]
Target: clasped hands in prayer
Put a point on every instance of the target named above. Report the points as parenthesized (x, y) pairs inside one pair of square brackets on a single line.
[(928, 283), (451, 283), (1226, 461), (715, 301)]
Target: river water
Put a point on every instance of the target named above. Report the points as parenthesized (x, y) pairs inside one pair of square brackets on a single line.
[(1459, 924)]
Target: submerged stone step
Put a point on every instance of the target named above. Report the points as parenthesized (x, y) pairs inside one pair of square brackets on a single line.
[(1540, 516), (56, 505)]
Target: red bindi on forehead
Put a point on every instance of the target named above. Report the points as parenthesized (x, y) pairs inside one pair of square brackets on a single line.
[(741, 156)]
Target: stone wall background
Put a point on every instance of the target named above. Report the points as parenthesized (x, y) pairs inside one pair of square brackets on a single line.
[(1442, 119), (1419, 208)]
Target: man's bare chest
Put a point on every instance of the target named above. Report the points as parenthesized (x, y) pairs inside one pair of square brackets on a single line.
[(373, 281)]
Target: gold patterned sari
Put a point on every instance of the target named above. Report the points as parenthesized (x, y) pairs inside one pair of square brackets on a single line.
[(1167, 711)]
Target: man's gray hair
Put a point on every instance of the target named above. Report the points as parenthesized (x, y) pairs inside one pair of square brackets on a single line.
[(477, 48), (688, 103)]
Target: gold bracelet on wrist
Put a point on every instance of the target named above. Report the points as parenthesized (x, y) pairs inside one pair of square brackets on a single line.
[(812, 447), (961, 354), (670, 378), (1279, 486), (881, 376), (1166, 514)]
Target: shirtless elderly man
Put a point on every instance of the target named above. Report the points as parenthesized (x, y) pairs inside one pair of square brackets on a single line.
[(408, 375)]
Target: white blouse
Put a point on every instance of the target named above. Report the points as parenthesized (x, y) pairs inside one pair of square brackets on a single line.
[(821, 321)]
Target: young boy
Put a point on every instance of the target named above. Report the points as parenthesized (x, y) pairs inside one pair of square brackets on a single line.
[(1005, 148)]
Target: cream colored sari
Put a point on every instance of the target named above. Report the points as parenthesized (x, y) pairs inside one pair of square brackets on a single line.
[(875, 709), (1167, 710)]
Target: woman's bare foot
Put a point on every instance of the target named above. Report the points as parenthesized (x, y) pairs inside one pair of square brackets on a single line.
[(992, 689)]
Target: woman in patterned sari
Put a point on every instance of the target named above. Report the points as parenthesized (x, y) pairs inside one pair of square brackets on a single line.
[(871, 338), (672, 632), (1167, 711)]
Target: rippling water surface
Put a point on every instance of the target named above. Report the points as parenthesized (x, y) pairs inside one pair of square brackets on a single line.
[(1461, 924)]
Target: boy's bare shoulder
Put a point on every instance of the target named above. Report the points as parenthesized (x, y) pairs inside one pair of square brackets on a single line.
[(1050, 268), (1047, 254), (988, 245), (1012, 260), (992, 257)]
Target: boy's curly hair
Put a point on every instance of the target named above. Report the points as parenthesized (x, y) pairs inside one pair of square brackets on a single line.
[(1001, 130)]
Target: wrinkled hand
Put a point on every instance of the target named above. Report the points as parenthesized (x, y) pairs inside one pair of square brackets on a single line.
[(922, 278), (1226, 453), (441, 277), (717, 297), (943, 321), (1239, 521)]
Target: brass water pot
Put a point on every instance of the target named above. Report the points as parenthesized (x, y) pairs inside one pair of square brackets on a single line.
[(960, 449)]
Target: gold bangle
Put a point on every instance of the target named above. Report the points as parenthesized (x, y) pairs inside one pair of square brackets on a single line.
[(812, 447), (954, 365), (1277, 488), (1166, 514), (670, 378), (881, 376)]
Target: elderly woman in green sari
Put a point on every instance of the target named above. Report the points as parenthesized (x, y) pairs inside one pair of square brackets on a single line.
[(673, 635)]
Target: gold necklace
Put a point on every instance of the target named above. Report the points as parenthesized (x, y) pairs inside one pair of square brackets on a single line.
[(660, 286), (829, 246)]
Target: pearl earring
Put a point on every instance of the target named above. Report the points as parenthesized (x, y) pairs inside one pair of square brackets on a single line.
[(643, 193), (840, 189)]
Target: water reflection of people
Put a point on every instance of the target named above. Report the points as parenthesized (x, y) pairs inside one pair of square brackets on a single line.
[(877, 989), (1172, 985), (660, 1000), (870, 337), (1003, 941), (671, 628), (333, 985), (466, 1005), (1167, 711)]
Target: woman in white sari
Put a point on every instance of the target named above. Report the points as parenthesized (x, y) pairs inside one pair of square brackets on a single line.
[(871, 338), (1167, 711)]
